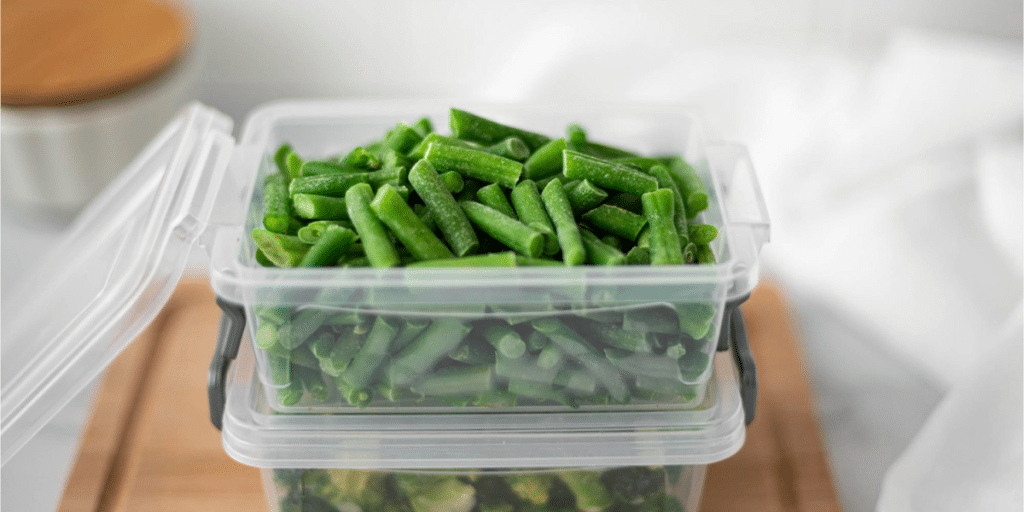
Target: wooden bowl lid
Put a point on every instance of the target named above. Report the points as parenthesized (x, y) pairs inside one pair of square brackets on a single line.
[(57, 52)]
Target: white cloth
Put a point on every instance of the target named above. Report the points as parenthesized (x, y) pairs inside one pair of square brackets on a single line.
[(895, 191)]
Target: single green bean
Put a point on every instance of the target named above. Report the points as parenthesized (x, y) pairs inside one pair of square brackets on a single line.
[(638, 256), (277, 207), (354, 396), (691, 187), (402, 138), (659, 208), (360, 373), (461, 381), (492, 195), (536, 340), (524, 368), (557, 206), (360, 158), (393, 175), (512, 148), (294, 163), (312, 232), (473, 351), (293, 334), (539, 391), (705, 255), (423, 126), (577, 381), (281, 159), (376, 242), (322, 344), (342, 353), (613, 241), (506, 259), (474, 128), (453, 181), (407, 227), (282, 250), (471, 163), (546, 161), (266, 335), (514, 234), (411, 328), (313, 382), (530, 209), (702, 233), (600, 253), (584, 196), (317, 168), (615, 336), (665, 180), (420, 150), (334, 185), (434, 343), (550, 357), (606, 174), (310, 206), (505, 340), (331, 246), (445, 212)]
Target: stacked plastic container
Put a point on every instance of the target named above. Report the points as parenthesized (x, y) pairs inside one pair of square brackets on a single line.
[(633, 432)]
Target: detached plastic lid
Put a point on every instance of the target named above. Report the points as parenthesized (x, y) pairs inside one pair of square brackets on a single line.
[(254, 435), (88, 299)]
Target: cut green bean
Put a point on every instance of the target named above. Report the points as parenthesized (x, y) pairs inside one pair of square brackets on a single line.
[(294, 163), (342, 353), (312, 232), (705, 255), (512, 148), (506, 259), (360, 158), (665, 181), (546, 161), (471, 163), (403, 138), (659, 208), (411, 328), (309, 206), (393, 175), (322, 344), (615, 336), (539, 391), (560, 211), (651, 319), (331, 246), (691, 187), (282, 250), (695, 319), (524, 368), (514, 234), (334, 185), (262, 259), (535, 341), (550, 357), (302, 326), (444, 210), (657, 367), (584, 196), (389, 207), (526, 261), (354, 396), (436, 138), (266, 335), (690, 253), (313, 382), (462, 381), (281, 159), (453, 181), (638, 256), (613, 241), (702, 234), (576, 381), (530, 209), (600, 253), (434, 343), (606, 174), (423, 126), (292, 394), (277, 207), (372, 354), (317, 168), (474, 128), (505, 340), (492, 195)]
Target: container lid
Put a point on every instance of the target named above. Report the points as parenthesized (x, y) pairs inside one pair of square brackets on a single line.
[(253, 435), (65, 51), (114, 271)]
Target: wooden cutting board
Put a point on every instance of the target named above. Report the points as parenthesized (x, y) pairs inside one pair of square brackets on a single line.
[(149, 445)]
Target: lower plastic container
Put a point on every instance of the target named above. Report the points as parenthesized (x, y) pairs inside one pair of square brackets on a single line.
[(559, 462)]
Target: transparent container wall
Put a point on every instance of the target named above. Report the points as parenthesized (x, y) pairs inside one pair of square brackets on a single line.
[(553, 338), (621, 489)]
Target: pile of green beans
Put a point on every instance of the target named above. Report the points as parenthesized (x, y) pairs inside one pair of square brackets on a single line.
[(488, 195)]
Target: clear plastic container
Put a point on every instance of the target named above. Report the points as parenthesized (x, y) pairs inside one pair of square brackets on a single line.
[(195, 185), (599, 461), (651, 307)]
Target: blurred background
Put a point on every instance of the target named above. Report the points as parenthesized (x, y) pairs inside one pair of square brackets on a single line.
[(887, 136)]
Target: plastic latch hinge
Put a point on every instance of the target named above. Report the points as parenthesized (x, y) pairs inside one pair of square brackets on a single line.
[(229, 338), (745, 364), (725, 336)]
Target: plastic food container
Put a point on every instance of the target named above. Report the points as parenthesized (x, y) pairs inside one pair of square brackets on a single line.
[(195, 186), (682, 305), (576, 462)]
